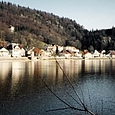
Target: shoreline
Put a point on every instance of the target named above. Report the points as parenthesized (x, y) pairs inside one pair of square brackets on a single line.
[(14, 59), (49, 58)]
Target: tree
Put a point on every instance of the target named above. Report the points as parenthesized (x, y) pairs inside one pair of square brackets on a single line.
[(78, 44), (91, 49)]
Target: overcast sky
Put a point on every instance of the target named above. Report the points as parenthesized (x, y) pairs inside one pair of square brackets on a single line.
[(92, 14)]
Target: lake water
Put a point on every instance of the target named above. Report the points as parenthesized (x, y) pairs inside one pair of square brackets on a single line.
[(23, 88)]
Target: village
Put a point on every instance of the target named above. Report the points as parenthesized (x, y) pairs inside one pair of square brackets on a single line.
[(16, 51), (50, 51)]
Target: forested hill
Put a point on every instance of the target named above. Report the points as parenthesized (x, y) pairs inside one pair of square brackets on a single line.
[(34, 28)]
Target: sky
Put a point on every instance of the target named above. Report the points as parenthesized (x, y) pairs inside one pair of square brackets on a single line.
[(91, 14)]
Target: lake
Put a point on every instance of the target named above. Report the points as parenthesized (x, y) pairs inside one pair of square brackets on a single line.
[(26, 88)]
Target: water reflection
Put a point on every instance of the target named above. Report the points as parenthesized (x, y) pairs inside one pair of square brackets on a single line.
[(5, 68), (51, 71), (17, 72), (98, 66), (21, 79), (26, 72)]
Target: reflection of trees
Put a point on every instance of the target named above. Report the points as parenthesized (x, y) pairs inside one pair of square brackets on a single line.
[(30, 66), (79, 101), (50, 70), (72, 68), (94, 66), (47, 70), (16, 75), (91, 66), (5, 79), (18, 70)]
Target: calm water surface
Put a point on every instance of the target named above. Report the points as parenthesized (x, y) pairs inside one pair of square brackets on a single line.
[(22, 92)]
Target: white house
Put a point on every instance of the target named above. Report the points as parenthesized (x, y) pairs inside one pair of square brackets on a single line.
[(51, 48), (17, 51), (4, 52), (88, 55), (12, 28), (22, 52), (96, 54), (60, 48)]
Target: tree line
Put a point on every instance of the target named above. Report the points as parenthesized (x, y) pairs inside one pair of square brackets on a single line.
[(36, 28)]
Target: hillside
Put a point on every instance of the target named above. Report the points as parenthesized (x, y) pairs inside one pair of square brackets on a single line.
[(35, 28)]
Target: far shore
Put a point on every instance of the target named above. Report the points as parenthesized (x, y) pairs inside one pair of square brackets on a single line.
[(14, 59), (47, 58)]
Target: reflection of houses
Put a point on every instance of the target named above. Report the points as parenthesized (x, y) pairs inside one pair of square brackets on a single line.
[(18, 71), (3, 71), (4, 52)]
